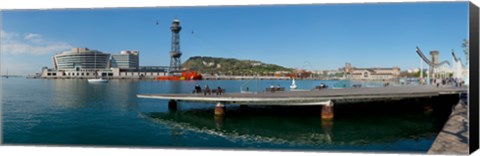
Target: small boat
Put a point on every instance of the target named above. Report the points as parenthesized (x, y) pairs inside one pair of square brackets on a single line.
[(97, 80), (293, 85)]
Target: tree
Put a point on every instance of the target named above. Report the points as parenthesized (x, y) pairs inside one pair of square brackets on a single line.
[(466, 50), (417, 74)]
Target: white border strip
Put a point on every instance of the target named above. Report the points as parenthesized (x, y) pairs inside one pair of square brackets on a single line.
[(51, 4)]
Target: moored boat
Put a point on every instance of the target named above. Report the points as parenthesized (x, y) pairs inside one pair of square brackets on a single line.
[(185, 75), (293, 85), (97, 80)]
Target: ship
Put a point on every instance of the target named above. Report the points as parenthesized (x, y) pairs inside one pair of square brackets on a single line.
[(184, 75)]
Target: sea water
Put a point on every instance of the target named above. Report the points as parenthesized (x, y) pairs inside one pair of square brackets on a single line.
[(72, 112)]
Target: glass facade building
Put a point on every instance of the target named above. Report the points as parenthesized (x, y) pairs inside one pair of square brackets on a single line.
[(125, 60), (86, 63), (81, 59)]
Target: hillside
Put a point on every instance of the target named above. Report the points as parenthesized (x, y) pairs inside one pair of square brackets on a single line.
[(231, 66)]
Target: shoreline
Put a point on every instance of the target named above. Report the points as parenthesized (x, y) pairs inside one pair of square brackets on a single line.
[(217, 78)]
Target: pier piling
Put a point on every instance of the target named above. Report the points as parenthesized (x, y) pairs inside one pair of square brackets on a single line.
[(172, 105), (327, 111), (219, 109)]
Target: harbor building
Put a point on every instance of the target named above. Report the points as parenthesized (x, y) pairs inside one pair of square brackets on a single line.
[(81, 59), (149, 72), (86, 63), (376, 73), (79, 62), (125, 60)]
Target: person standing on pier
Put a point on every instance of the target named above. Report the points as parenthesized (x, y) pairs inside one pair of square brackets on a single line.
[(207, 90), (219, 90), (197, 89)]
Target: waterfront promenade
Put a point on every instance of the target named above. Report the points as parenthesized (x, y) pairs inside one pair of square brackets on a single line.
[(453, 139)]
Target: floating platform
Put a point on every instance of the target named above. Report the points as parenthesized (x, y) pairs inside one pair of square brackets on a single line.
[(315, 97)]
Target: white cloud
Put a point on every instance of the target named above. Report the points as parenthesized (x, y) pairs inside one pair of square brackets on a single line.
[(22, 48), (33, 37), (6, 36), (31, 43)]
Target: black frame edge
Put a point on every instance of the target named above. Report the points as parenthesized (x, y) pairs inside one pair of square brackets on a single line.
[(474, 85)]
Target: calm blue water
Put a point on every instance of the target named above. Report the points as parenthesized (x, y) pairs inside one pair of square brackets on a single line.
[(73, 112)]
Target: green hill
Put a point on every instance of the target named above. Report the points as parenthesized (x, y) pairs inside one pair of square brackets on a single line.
[(231, 66)]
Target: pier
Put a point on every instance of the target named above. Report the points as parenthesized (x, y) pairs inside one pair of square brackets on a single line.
[(327, 98), (240, 77)]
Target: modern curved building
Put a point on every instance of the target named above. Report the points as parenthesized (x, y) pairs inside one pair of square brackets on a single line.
[(85, 63), (81, 59)]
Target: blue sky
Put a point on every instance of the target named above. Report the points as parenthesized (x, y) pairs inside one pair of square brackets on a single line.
[(297, 36)]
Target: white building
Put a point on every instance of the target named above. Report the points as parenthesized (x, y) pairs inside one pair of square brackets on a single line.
[(79, 62), (125, 60), (371, 73), (86, 63)]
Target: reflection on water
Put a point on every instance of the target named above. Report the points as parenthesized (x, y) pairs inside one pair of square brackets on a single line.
[(78, 93), (305, 131), (245, 131), (74, 112)]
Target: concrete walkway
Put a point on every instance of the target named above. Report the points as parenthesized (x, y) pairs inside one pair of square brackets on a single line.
[(315, 97), (453, 139)]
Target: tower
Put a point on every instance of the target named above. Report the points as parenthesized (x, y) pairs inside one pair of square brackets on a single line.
[(434, 58), (175, 54), (348, 68)]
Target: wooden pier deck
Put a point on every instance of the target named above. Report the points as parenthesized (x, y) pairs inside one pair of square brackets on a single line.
[(453, 139), (315, 97)]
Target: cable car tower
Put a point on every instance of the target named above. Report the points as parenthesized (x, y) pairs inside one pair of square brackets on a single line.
[(175, 53)]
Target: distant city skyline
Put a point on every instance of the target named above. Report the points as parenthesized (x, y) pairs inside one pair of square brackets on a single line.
[(312, 37)]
